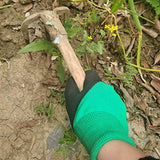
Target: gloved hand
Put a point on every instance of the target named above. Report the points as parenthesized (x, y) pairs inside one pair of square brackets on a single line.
[(97, 113)]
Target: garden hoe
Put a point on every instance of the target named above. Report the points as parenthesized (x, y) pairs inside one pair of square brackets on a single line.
[(58, 36)]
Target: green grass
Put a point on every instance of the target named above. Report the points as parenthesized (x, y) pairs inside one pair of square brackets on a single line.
[(6, 6), (66, 142), (46, 110), (58, 95)]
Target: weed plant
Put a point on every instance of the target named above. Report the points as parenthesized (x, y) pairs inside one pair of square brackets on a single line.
[(127, 77), (45, 110), (58, 95), (94, 18), (66, 142)]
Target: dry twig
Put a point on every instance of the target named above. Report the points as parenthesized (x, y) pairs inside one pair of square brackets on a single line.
[(130, 47), (150, 32), (158, 153)]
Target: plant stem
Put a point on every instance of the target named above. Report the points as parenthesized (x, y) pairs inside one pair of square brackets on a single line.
[(138, 53), (132, 12), (139, 48), (124, 52), (135, 17), (95, 6), (6, 6), (146, 69)]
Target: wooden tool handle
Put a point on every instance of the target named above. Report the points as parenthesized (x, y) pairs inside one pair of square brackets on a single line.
[(56, 30), (72, 61)]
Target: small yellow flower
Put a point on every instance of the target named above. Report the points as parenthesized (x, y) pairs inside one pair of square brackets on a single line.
[(90, 38), (111, 28), (107, 26), (116, 27), (113, 34)]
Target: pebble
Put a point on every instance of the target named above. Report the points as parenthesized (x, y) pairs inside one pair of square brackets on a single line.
[(53, 138), (17, 28), (54, 58), (27, 14)]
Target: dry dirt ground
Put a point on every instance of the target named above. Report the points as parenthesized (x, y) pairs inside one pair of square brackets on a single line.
[(26, 136)]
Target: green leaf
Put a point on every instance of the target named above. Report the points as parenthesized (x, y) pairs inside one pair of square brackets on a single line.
[(73, 31), (157, 10), (37, 46), (60, 70), (103, 33), (45, 109), (93, 16), (116, 5), (100, 46), (80, 50), (50, 110), (85, 36), (55, 53), (92, 48), (156, 5), (68, 24)]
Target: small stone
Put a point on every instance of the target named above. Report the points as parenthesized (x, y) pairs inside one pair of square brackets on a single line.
[(17, 28), (53, 138), (54, 58), (27, 14)]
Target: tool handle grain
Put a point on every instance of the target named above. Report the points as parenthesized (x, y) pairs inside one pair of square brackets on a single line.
[(72, 61)]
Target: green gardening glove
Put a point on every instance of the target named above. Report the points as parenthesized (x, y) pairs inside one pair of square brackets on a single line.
[(97, 114)]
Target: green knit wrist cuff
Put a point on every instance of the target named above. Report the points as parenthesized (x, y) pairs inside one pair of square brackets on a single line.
[(107, 138)]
